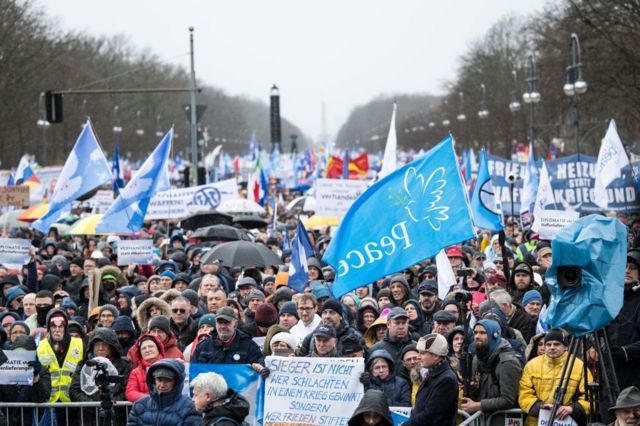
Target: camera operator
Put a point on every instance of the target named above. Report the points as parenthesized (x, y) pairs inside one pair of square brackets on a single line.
[(103, 344), (624, 331)]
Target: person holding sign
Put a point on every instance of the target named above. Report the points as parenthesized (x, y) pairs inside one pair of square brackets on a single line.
[(437, 398)]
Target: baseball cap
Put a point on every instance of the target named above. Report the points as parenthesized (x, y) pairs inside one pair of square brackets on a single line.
[(325, 331), (397, 312), (428, 286), (454, 251), (433, 343), (167, 373), (226, 313)]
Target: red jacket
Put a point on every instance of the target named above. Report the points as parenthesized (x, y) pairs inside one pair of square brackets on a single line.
[(170, 351), (137, 383)]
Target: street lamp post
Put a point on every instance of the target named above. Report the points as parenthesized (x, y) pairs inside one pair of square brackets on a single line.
[(484, 112), (445, 119), (159, 127), (139, 130), (514, 105), (531, 97), (461, 117), (44, 125), (575, 85)]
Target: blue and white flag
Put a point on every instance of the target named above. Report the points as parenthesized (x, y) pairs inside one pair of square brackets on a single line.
[(286, 244), (345, 164), (118, 181), (541, 326), (612, 158), (301, 249), (401, 220), (529, 189), (487, 214), (126, 214), (85, 169)]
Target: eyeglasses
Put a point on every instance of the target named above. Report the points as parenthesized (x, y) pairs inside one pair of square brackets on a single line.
[(178, 311)]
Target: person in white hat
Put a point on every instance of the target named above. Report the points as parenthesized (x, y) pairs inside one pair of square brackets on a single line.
[(437, 398)]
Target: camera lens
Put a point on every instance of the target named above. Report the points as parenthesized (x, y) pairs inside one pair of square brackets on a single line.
[(569, 276)]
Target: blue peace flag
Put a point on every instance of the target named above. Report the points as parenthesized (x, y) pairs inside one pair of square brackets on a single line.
[(486, 212), (400, 220)]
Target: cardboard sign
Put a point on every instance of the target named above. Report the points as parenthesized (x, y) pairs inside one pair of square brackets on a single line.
[(17, 196), (549, 222), (14, 251), (335, 196), (139, 252)]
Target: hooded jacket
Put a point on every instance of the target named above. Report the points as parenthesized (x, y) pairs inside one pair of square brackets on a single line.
[(137, 383), (360, 321), (396, 389), (373, 401), (121, 364), (144, 308), (394, 348), (165, 409), (235, 407), (624, 338)]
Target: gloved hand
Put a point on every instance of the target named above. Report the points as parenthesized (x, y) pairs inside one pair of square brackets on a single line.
[(365, 378), (36, 366), (265, 373), (618, 354)]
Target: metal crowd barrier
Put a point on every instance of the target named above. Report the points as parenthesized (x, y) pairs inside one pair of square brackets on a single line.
[(75, 413), (478, 419)]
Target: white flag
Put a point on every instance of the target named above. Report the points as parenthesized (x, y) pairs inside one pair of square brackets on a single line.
[(446, 277), (389, 160), (611, 159), (544, 196)]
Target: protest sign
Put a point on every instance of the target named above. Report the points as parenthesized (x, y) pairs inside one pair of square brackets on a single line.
[(572, 181), (17, 196), (48, 177), (312, 391), (543, 419), (100, 202), (242, 379), (335, 196), (400, 415), (14, 251), (139, 252), (16, 370), (547, 223), (180, 203)]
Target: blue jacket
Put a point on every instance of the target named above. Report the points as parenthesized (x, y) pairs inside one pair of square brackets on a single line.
[(242, 350), (396, 389), (166, 409), (437, 398)]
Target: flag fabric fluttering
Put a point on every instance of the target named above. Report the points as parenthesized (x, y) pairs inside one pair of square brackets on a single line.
[(446, 276), (389, 161), (424, 197), (85, 169), (544, 196), (257, 184), (345, 160), (25, 161), (487, 214), (358, 167), (612, 158), (286, 244), (126, 214), (301, 249), (529, 189), (118, 181)]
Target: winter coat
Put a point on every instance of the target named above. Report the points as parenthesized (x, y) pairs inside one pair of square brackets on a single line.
[(522, 321), (137, 383), (373, 401), (39, 392), (165, 409), (143, 311), (437, 398), (170, 351), (624, 339), (359, 320), (396, 389), (394, 348), (235, 407), (342, 332), (539, 381), (186, 334), (241, 350), (498, 378)]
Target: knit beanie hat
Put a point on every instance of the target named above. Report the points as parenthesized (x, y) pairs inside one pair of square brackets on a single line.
[(334, 305), (531, 296), (289, 308), (160, 322), (109, 308), (191, 296), (555, 335), (208, 319), (285, 337), (493, 332), (266, 315)]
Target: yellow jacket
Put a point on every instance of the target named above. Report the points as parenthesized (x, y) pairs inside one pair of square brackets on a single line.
[(541, 377), (60, 374)]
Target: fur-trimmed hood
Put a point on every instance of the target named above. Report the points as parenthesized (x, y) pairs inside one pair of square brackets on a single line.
[(143, 311), (169, 295)]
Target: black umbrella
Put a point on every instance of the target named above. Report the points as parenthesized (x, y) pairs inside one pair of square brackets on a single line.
[(241, 253), (203, 219), (250, 221), (219, 233)]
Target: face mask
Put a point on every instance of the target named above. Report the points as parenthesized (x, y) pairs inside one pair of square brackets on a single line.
[(109, 286), (42, 313)]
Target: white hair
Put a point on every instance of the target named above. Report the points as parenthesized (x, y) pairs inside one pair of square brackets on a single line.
[(211, 383), (501, 297)]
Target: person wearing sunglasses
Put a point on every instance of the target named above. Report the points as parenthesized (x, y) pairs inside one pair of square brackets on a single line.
[(185, 328)]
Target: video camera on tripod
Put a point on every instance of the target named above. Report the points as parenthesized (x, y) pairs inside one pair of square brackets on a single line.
[(104, 379)]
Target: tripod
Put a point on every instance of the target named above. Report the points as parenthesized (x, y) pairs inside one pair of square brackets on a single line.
[(593, 391), (105, 412)]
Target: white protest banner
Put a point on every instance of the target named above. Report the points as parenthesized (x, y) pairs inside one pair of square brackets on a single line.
[(335, 196), (182, 202), (543, 419), (14, 251), (16, 370), (139, 252), (100, 202), (547, 223), (312, 391)]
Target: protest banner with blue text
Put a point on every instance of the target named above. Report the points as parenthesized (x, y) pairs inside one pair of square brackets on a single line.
[(401, 220), (16, 370), (312, 391), (138, 252), (14, 251)]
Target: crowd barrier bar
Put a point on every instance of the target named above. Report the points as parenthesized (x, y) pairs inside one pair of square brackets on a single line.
[(22, 406), (478, 419)]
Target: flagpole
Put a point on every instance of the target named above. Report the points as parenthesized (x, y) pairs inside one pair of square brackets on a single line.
[(194, 125)]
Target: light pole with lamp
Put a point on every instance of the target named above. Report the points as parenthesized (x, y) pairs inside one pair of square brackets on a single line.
[(445, 119), (531, 97), (483, 114), (575, 85), (44, 125), (514, 105)]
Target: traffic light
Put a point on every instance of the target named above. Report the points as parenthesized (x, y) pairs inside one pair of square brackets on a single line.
[(53, 106)]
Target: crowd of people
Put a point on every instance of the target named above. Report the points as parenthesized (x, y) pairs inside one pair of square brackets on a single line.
[(477, 349)]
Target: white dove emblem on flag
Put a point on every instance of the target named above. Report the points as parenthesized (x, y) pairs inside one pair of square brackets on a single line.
[(424, 196)]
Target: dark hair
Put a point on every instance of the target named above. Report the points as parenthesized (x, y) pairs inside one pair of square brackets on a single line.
[(44, 293)]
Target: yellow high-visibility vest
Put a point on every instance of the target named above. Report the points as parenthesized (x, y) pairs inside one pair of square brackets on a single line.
[(60, 374)]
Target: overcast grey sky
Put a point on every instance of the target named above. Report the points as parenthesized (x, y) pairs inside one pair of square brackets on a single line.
[(342, 52)]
